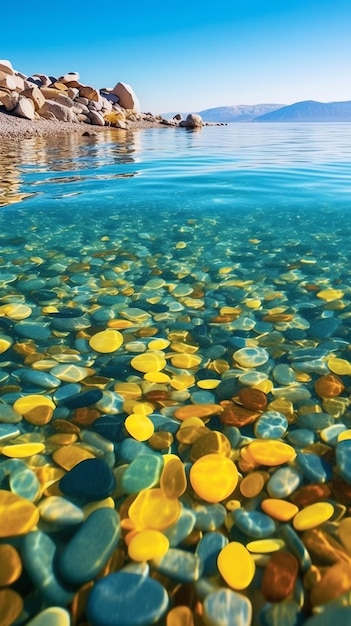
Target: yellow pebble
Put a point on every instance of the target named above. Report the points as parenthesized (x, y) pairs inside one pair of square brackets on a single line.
[(17, 515), (157, 377), (139, 426), (11, 565), (213, 477), (264, 385), (339, 366), (252, 484), (11, 606), (270, 452), (149, 361), (22, 450), (186, 361), (330, 294), (158, 344), (152, 509), (281, 510), (5, 344), (133, 406), (128, 391), (313, 515), (197, 410), (106, 341), (173, 481), (236, 565), (265, 546), (208, 383), (70, 456), (16, 311), (346, 434), (182, 381), (32, 401), (147, 544)]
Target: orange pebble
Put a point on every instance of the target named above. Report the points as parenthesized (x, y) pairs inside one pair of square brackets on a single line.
[(253, 399), (329, 386), (234, 415)]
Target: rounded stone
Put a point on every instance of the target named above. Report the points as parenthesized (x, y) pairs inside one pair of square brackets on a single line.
[(236, 565), (213, 477), (150, 361), (11, 564), (91, 479), (313, 515), (147, 545), (280, 576), (224, 607), (251, 357), (254, 524), (270, 452), (106, 341), (152, 509), (127, 599)]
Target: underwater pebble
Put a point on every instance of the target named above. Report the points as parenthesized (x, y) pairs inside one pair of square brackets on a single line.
[(225, 607), (130, 599)]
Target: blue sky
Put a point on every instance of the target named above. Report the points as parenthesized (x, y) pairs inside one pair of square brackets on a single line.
[(184, 55)]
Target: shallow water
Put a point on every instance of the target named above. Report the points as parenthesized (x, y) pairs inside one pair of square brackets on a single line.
[(214, 240)]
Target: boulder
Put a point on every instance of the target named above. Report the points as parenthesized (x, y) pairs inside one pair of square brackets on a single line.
[(111, 97), (44, 79), (54, 109), (57, 95), (193, 121), (7, 81), (81, 117), (36, 95), (122, 124), (19, 82), (6, 67), (89, 92), (25, 108), (70, 77), (72, 92), (58, 85), (9, 99), (106, 105), (96, 118), (126, 96)]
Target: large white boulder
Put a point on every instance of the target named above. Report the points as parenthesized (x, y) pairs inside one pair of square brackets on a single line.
[(70, 77), (25, 108), (96, 118), (9, 99), (19, 82), (193, 121), (126, 97), (7, 81), (35, 94), (54, 109), (6, 67)]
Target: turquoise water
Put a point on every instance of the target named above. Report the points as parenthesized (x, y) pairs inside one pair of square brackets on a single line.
[(212, 241)]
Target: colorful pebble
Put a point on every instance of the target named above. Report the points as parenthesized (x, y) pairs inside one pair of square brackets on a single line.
[(213, 477), (236, 566)]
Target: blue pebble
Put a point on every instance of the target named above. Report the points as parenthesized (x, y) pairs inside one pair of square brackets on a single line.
[(85, 398), (209, 516), (287, 613), (343, 459), (181, 529), (203, 397), (208, 549), (337, 616), (301, 437), (8, 432), (37, 330), (129, 449), (40, 379), (294, 543), (312, 366), (39, 554), (110, 427), (314, 468), (227, 388), (254, 523), (24, 482), (324, 328), (84, 556), (283, 374), (126, 599), (224, 607), (284, 482), (70, 324), (91, 479), (144, 472), (331, 433), (271, 425), (315, 421), (65, 392), (179, 565)]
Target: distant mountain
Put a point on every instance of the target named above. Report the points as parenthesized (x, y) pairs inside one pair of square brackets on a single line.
[(239, 113), (310, 111)]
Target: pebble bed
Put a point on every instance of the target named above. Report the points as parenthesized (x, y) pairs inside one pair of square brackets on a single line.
[(175, 421)]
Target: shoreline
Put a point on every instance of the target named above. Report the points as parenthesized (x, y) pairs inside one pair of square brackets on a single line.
[(18, 128)]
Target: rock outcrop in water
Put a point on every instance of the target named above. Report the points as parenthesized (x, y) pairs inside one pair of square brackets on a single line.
[(67, 99)]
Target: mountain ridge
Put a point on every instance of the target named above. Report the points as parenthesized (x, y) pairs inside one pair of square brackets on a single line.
[(302, 111)]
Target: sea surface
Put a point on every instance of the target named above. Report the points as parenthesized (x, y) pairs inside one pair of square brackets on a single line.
[(223, 256)]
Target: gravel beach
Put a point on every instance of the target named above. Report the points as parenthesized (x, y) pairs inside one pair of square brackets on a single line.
[(16, 128)]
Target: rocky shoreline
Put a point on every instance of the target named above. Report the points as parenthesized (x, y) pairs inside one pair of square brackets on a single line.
[(41, 105)]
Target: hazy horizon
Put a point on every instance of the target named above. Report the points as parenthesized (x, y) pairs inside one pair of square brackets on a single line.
[(181, 57)]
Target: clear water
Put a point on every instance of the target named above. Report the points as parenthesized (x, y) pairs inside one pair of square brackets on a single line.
[(254, 217)]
